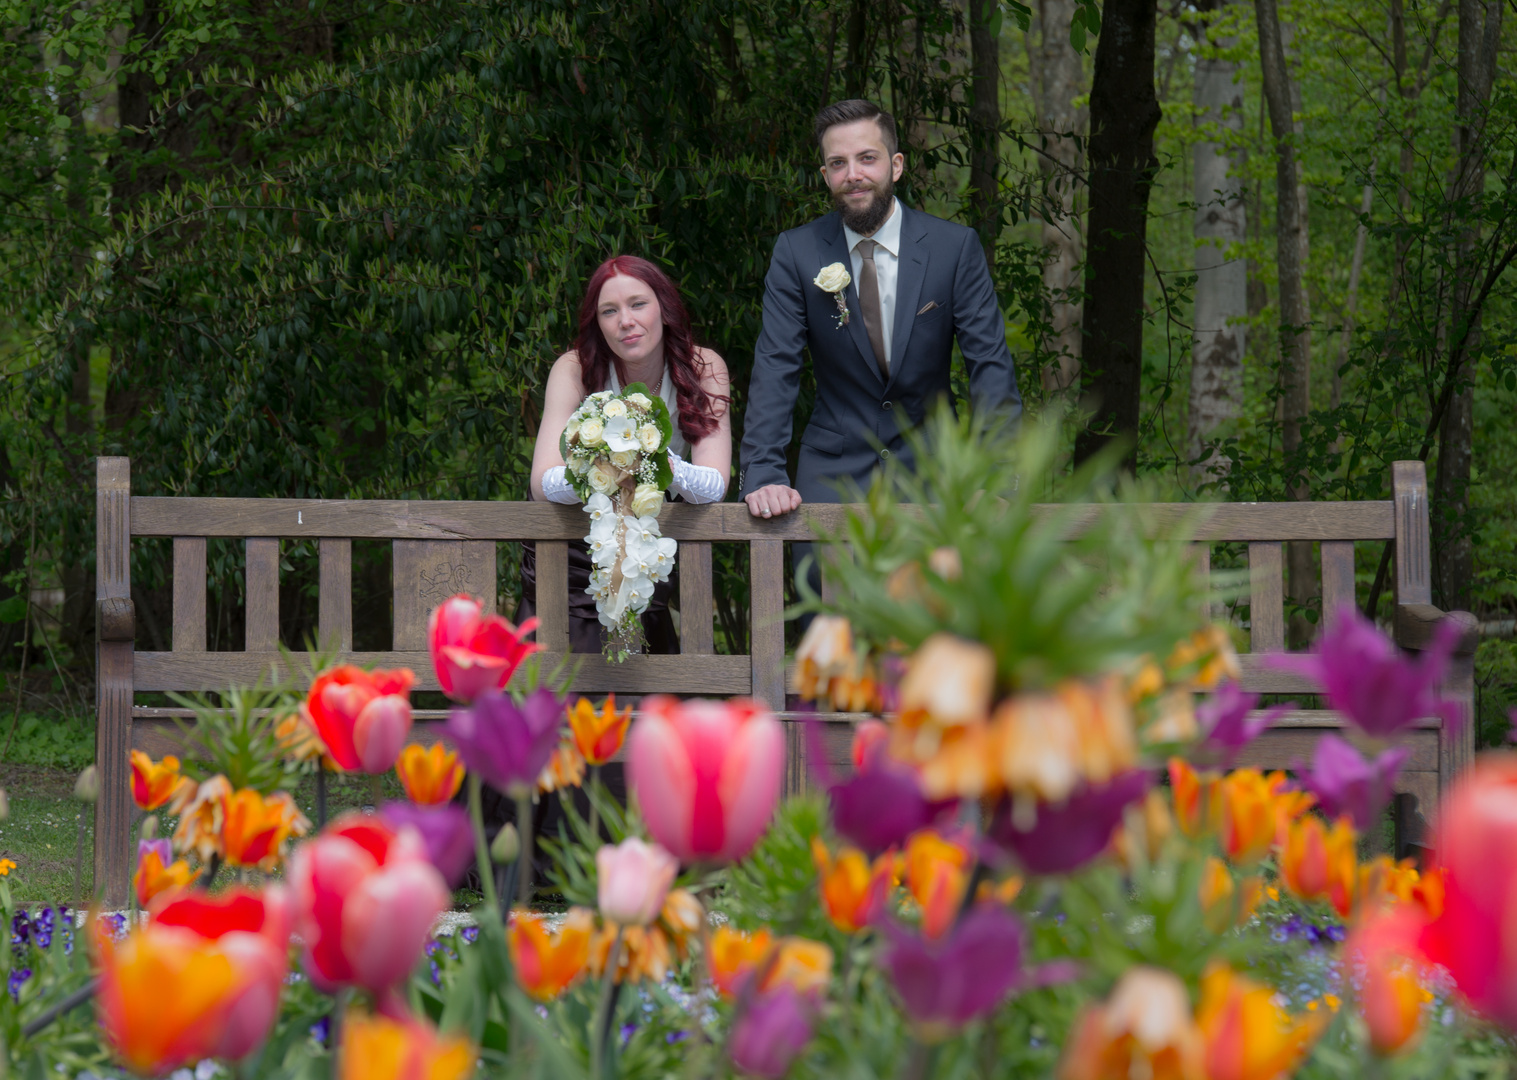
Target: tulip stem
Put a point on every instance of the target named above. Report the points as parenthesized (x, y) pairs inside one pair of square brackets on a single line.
[(524, 860), (594, 806), (481, 849), (73, 1001), (603, 1010), (79, 860), (920, 1062), (321, 796), (375, 791)]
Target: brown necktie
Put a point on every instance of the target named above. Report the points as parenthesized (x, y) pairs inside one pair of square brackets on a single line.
[(869, 303)]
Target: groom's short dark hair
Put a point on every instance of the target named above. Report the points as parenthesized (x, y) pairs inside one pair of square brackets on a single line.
[(851, 109)]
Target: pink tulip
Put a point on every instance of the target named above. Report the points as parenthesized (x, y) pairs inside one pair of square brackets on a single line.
[(474, 652), (365, 902), (362, 717), (706, 773), (634, 879), (1477, 847)]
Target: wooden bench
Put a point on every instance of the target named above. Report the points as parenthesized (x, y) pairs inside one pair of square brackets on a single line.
[(442, 547)]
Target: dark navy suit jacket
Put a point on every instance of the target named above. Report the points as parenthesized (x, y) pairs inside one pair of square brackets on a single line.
[(942, 269)]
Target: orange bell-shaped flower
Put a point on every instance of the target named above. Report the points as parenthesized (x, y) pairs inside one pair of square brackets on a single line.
[(599, 735), (155, 783), (853, 890), (254, 828)]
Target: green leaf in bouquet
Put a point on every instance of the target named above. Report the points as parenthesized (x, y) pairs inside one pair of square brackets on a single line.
[(664, 472)]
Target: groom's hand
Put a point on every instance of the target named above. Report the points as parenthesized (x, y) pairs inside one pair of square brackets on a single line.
[(772, 500)]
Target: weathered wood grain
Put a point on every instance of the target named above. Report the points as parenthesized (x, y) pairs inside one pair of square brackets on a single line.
[(427, 572), (1337, 576), (262, 601), (113, 681), (697, 599), (334, 594), (1266, 607), (1413, 579), (189, 594), (766, 574), (553, 595), (709, 676), (432, 520)]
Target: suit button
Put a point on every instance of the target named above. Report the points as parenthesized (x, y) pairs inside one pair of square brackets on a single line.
[(887, 405), (884, 453)]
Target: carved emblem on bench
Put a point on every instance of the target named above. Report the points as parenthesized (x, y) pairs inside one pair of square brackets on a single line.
[(446, 580)]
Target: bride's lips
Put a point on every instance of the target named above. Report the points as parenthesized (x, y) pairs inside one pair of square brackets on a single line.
[(633, 340)]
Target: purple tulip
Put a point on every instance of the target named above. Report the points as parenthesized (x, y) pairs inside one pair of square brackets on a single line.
[(446, 830), (1225, 722), (506, 745), (1366, 677), (879, 806), (1065, 836), (944, 984), (1345, 783), (769, 1034)]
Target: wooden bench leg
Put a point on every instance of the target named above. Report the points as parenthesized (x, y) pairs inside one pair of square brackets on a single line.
[(113, 679)]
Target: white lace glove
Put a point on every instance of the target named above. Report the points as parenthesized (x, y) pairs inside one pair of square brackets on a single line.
[(556, 486), (697, 483)]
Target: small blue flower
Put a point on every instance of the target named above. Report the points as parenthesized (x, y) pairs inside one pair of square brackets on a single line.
[(676, 1037), (470, 934), (321, 1031), (17, 978), (1335, 933), (626, 1034)]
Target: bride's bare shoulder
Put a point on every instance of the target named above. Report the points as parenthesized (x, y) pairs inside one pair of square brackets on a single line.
[(712, 367), (566, 370)]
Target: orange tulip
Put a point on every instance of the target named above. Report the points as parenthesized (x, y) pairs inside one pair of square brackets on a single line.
[(254, 829), (1248, 1036), (1391, 994), (1224, 903), (154, 784), (298, 739), (1204, 659), (1321, 863), (853, 890), (1198, 799), (201, 811), (734, 955), (157, 872), (547, 963), (430, 775), (1383, 881), (599, 735), (682, 919), (937, 873), (1254, 810), (801, 964), (645, 953), (1143, 1029), (565, 769), (379, 1048)]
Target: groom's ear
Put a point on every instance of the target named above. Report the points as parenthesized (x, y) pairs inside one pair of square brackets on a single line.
[(897, 166)]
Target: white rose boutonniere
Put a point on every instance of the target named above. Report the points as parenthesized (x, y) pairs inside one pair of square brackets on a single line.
[(834, 278)]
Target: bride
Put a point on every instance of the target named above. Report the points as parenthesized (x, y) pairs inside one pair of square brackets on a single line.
[(633, 327)]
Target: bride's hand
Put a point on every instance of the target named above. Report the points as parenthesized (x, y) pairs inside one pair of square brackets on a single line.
[(772, 500)]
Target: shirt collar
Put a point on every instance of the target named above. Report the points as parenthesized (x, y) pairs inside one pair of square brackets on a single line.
[(888, 236)]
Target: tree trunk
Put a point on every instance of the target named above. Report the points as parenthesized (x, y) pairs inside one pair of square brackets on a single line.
[(1216, 382), (856, 75), (985, 123), (1124, 111), (1295, 314), (1060, 80), (1454, 553)]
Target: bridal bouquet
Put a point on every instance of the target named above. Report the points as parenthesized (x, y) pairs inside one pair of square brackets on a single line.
[(616, 449)]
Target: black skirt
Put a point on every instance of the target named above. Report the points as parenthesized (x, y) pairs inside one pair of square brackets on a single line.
[(586, 634)]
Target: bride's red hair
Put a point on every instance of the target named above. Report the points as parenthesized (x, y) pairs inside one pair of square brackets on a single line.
[(697, 409)]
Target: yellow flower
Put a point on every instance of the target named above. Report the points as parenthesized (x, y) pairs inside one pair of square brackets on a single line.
[(1203, 660), (1255, 808), (298, 739), (734, 954), (155, 783), (948, 684), (801, 964), (6, 866)]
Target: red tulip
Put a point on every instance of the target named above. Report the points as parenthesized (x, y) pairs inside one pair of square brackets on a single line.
[(365, 901), (1477, 847), (362, 717), (473, 652), (707, 774)]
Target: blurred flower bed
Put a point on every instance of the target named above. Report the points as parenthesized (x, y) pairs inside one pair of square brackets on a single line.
[(1039, 860)]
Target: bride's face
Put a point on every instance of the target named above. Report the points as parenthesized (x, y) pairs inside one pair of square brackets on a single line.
[(631, 319)]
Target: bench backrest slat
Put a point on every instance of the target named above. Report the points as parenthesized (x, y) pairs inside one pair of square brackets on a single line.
[(1266, 601), (697, 599), (189, 594), (1337, 575), (334, 594), (262, 593), (427, 572)]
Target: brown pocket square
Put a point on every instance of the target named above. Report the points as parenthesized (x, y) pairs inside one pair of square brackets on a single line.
[(925, 308)]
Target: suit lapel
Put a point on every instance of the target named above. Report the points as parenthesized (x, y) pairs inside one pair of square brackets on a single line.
[(910, 273), (834, 248)]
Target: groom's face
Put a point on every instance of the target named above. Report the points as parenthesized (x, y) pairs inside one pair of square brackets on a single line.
[(861, 173)]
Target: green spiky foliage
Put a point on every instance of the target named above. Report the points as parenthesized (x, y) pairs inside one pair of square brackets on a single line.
[(1057, 591)]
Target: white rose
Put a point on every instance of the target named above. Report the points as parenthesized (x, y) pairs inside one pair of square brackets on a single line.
[(590, 432), (624, 459), (833, 278), (599, 395), (640, 400), (647, 500), (571, 429), (618, 433), (612, 409), (649, 437), (602, 478)]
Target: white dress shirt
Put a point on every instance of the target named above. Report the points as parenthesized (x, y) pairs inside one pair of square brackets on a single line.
[(887, 263)]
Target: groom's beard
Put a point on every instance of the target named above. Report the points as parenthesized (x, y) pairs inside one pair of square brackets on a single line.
[(869, 217)]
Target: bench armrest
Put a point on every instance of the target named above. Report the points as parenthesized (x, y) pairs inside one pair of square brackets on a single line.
[(1417, 624)]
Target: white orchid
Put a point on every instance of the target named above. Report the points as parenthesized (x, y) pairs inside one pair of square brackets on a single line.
[(600, 507), (662, 561), (603, 550), (619, 434), (603, 528)]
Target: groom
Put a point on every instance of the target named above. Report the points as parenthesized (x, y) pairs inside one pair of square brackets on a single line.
[(881, 345)]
